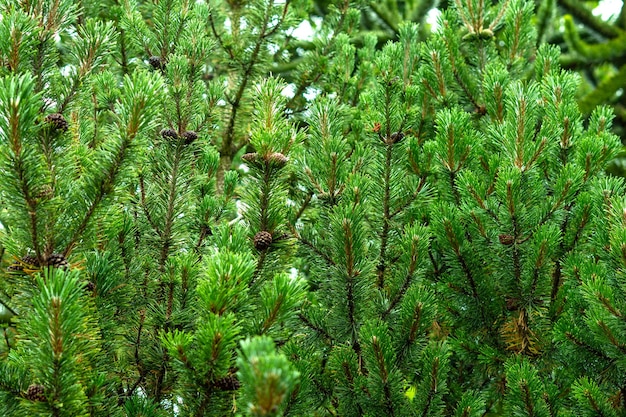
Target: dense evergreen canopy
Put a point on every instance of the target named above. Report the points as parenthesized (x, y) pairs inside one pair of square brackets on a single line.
[(205, 215)]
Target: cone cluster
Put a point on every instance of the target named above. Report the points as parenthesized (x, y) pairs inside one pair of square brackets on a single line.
[(395, 137), (276, 158), (249, 157), (188, 136), (55, 260)]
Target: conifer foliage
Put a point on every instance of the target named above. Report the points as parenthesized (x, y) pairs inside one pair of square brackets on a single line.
[(426, 229)]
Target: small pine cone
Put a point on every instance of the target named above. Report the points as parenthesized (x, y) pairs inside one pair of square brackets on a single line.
[(169, 134), (36, 392), (90, 286), (262, 240), (277, 159), (393, 80), (189, 136), (481, 110), (250, 156), (45, 192), (396, 137), (507, 240), (30, 260), (57, 122), (57, 260), (228, 383), (155, 62), (512, 304)]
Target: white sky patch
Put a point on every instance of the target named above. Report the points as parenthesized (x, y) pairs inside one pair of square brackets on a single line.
[(311, 92), (304, 31), (608, 8), (68, 70), (432, 19), (289, 91), (293, 274), (273, 48)]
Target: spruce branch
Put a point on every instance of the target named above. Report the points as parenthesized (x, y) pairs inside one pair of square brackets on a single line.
[(565, 250), (381, 268), (146, 212), (306, 80), (38, 62), (19, 102), (219, 39), (420, 187), (229, 147), (580, 343), (399, 295), (172, 195), (141, 102), (469, 275), (136, 355), (318, 329), (313, 247), (93, 43), (389, 408)]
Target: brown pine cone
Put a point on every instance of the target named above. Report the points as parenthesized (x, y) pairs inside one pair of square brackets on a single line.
[(277, 159), (189, 136), (36, 392), (228, 383), (512, 304), (45, 192), (507, 240), (396, 137), (30, 260), (262, 240), (27, 261), (57, 260), (155, 62), (250, 156), (169, 134), (57, 122)]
